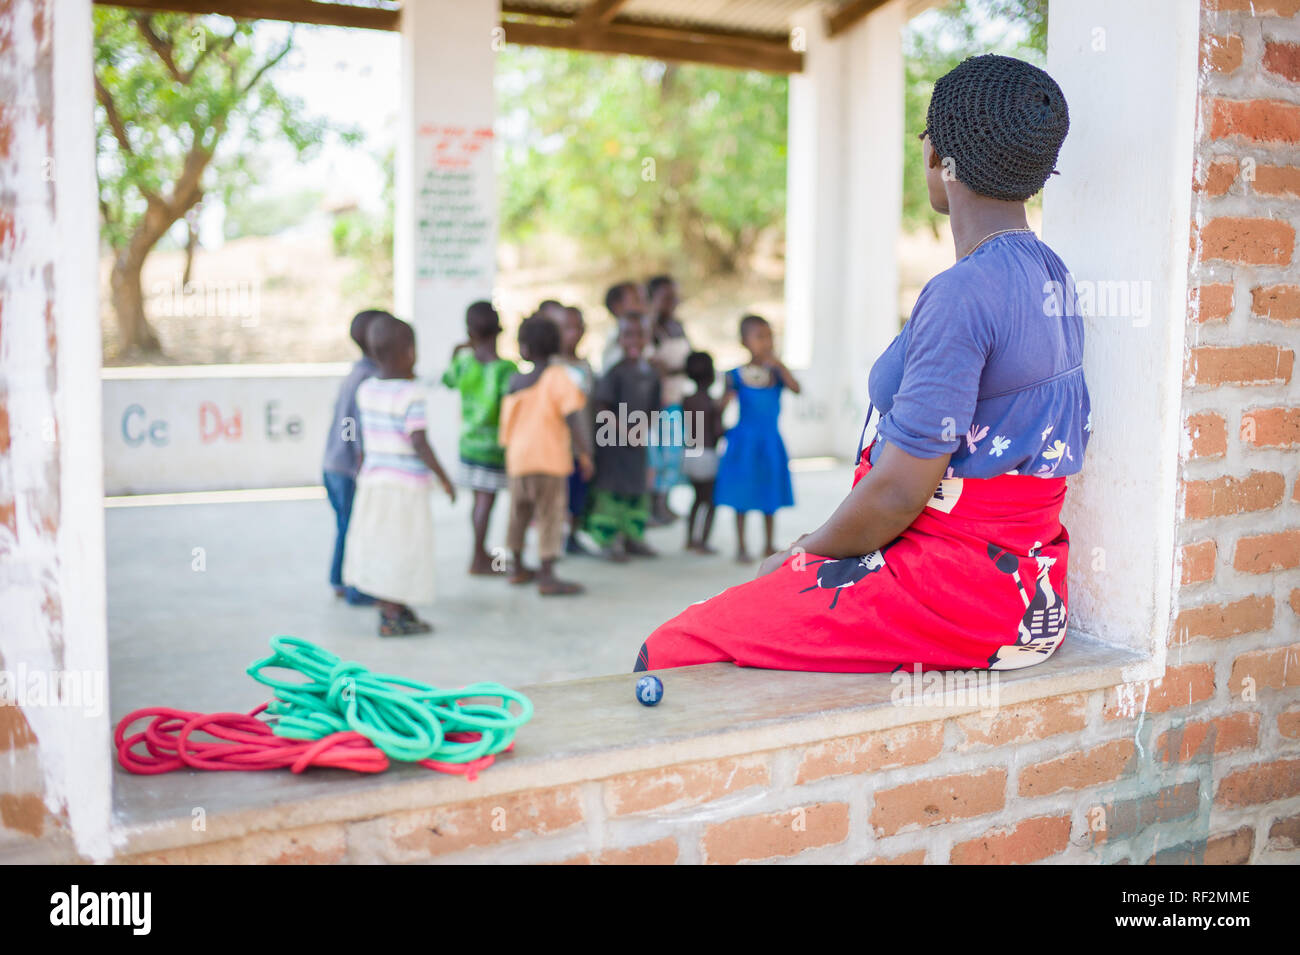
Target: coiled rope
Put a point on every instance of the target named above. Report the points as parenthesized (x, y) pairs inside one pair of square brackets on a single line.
[(341, 716)]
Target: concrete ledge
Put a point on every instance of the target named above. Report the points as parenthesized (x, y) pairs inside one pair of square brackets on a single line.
[(588, 730)]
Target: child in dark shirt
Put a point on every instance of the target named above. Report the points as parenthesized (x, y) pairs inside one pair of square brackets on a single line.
[(626, 397), (703, 429)]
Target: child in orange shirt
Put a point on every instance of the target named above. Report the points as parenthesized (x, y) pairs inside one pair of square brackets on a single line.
[(543, 431)]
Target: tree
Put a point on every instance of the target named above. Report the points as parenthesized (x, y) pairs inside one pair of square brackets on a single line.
[(640, 160), (936, 42), (183, 102)]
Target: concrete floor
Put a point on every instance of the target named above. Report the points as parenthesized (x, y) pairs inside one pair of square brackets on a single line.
[(183, 637)]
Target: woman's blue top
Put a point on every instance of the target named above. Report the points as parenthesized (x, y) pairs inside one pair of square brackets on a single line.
[(989, 367)]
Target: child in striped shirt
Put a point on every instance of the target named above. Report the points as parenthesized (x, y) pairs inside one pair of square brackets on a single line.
[(389, 549)]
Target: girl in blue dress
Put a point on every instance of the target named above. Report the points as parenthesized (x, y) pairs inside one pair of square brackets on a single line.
[(754, 474)]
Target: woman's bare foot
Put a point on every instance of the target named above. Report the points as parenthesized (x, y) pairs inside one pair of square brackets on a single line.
[(640, 549), (701, 548), (742, 557)]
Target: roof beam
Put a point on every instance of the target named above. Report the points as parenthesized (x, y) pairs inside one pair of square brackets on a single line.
[(849, 14), (687, 45), (713, 49), (598, 13), (295, 11)]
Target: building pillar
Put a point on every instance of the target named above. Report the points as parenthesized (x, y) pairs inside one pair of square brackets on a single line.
[(844, 203), (446, 209)]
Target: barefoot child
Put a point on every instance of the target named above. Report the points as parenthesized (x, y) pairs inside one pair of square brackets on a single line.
[(703, 429), (754, 473), (480, 375), (389, 551), (627, 396), (542, 427), (343, 455)]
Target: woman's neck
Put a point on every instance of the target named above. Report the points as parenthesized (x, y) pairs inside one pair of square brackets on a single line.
[(974, 218)]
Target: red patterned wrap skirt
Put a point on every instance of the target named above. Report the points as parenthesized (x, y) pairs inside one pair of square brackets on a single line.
[(978, 581)]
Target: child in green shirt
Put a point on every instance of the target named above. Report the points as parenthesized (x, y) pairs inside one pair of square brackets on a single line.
[(481, 376)]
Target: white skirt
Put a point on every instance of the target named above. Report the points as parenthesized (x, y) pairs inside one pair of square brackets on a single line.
[(389, 549)]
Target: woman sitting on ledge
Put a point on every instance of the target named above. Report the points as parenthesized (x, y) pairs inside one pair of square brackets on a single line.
[(948, 551)]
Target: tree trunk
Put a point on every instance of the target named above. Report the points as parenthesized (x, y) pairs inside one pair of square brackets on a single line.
[(191, 243), (128, 304)]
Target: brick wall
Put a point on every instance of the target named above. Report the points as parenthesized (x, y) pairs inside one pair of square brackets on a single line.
[(1202, 766)]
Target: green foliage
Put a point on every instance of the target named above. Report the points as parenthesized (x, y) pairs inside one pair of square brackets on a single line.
[(639, 160), (270, 215), (367, 239), (182, 87), (936, 42)]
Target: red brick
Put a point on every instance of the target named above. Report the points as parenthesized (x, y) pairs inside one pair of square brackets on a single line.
[(872, 752), (1284, 834), (1271, 427), (662, 852), (1282, 59), (1221, 53), (1256, 8), (1217, 178), (1217, 621), (1198, 562), (1024, 722), (684, 785), (1208, 433), (422, 833), (1211, 303), (1274, 669), (930, 802), (775, 835), (1124, 818), (1207, 738), (1211, 366), (1256, 120), (1180, 686), (1278, 302), (1266, 553), (1258, 491), (1259, 784), (915, 857), (23, 812), (312, 845), (1028, 841), (1079, 769), (1277, 180), (1288, 722), (15, 731), (1230, 848)]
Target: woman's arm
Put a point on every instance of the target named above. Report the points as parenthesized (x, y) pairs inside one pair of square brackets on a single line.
[(882, 505)]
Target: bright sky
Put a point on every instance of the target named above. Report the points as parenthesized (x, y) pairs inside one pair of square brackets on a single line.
[(352, 78)]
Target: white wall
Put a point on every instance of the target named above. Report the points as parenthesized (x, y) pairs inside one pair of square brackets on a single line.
[(216, 428), (1120, 211)]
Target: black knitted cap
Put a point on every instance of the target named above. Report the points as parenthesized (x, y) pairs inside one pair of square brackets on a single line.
[(1002, 121)]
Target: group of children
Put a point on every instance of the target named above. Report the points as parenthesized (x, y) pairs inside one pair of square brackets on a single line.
[(598, 453)]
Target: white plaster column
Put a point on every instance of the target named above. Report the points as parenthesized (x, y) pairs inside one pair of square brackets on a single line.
[(446, 206), (1121, 214), (844, 201)]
